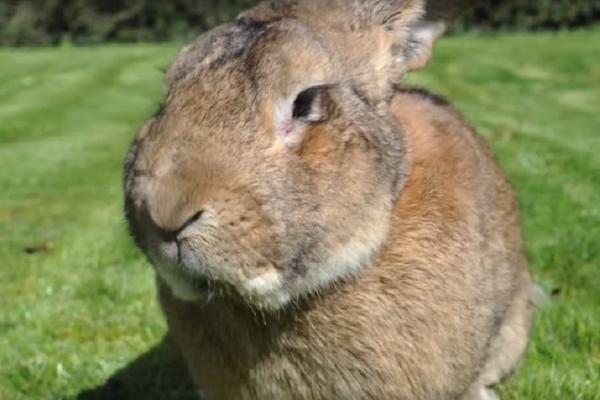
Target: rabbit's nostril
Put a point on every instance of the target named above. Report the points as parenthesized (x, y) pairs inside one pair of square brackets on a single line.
[(191, 221), (174, 235), (166, 235)]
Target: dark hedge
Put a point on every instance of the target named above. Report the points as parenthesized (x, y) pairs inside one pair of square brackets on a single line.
[(39, 22), (532, 14)]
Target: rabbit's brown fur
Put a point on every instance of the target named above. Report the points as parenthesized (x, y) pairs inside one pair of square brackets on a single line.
[(408, 328), (364, 246)]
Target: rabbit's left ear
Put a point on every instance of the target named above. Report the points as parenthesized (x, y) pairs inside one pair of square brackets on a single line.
[(419, 46)]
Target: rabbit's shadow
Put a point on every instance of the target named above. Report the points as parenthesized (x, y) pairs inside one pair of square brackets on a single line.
[(158, 374)]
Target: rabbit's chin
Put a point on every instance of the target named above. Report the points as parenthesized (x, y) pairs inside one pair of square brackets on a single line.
[(266, 291), (274, 289)]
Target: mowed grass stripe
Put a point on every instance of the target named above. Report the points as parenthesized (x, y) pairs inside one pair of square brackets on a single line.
[(59, 96), (63, 188), (522, 82), (85, 153)]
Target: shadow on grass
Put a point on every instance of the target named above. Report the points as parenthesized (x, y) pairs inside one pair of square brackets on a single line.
[(158, 374)]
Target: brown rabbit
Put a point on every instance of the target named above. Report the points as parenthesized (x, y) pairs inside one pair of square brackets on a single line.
[(319, 232)]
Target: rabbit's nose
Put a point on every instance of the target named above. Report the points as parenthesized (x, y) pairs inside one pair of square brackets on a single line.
[(190, 225), (181, 232)]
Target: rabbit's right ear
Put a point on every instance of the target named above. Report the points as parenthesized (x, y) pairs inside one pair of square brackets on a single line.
[(374, 41), (380, 42), (419, 46), (407, 42)]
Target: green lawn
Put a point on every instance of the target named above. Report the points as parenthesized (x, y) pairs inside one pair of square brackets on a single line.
[(77, 303)]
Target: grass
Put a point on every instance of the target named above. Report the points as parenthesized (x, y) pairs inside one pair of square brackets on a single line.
[(77, 302)]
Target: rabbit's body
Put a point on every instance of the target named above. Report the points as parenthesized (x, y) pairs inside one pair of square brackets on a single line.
[(443, 308), (318, 233)]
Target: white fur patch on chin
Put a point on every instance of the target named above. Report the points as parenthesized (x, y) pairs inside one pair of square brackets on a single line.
[(267, 291), (264, 291), (347, 262), (270, 291), (180, 287), (488, 394)]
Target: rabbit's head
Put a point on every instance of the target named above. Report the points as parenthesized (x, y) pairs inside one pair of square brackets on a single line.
[(272, 168)]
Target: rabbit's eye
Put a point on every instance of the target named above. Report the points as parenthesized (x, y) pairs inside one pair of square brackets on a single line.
[(309, 105)]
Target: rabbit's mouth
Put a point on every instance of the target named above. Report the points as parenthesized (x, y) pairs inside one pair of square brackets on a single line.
[(193, 282), (191, 287)]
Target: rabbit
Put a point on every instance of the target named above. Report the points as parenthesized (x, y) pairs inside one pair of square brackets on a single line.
[(318, 230)]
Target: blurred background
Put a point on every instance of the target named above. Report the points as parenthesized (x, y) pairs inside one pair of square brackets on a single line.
[(42, 22), (78, 314)]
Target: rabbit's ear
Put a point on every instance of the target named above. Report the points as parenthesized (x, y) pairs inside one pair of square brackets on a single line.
[(387, 39), (374, 42), (344, 15), (419, 46), (380, 41), (411, 36), (394, 14)]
